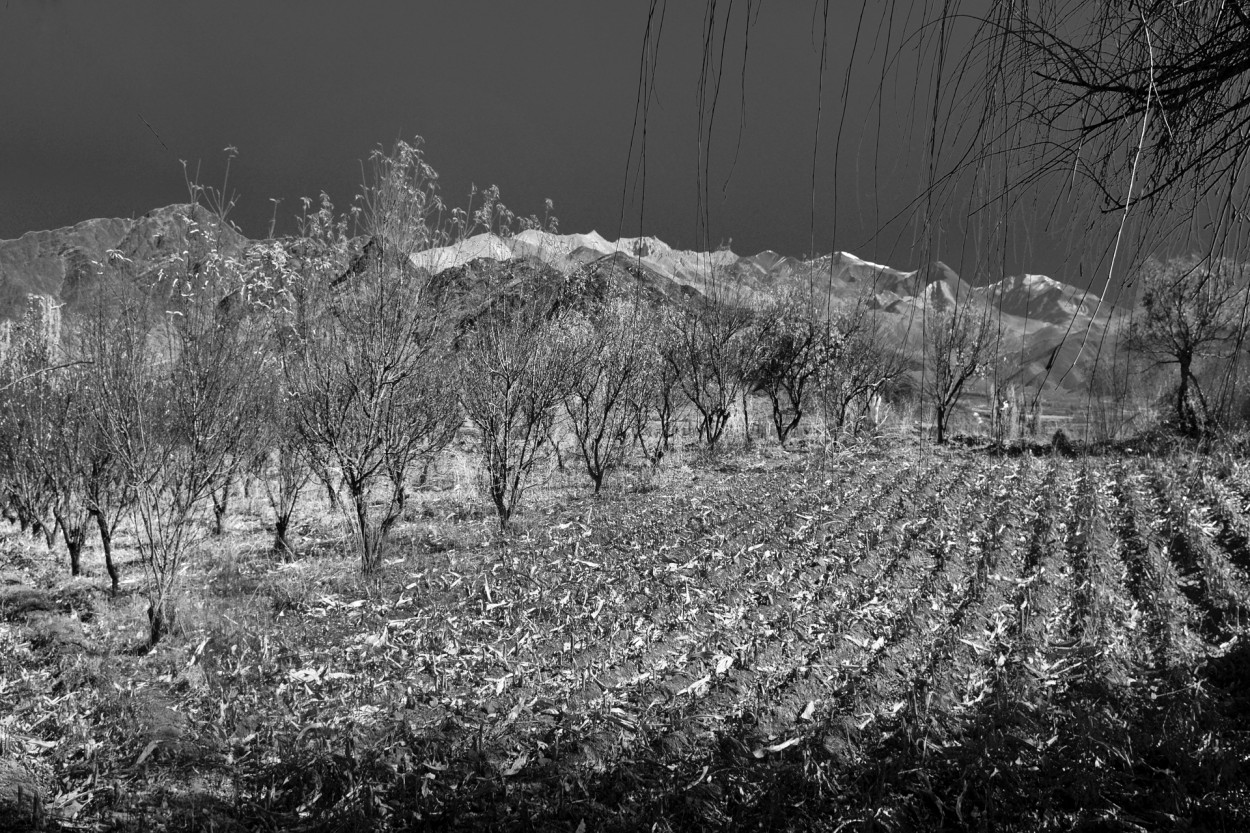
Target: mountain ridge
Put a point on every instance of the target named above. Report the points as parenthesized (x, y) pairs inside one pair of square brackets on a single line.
[(1037, 312)]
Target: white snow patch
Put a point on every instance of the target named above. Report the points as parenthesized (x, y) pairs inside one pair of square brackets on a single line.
[(447, 257), (859, 261)]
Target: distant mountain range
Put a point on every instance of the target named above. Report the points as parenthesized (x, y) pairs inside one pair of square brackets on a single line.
[(1044, 321)]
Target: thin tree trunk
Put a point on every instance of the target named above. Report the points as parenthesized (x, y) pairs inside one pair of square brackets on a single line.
[(281, 547), (162, 616), (501, 507), (49, 532), (746, 421), (74, 539), (372, 541), (106, 544), (360, 503), (774, 398), (844, 405), (499, 495), (665, 415), (1205, 427), (332, 494), (221, 504), (555, 446), (654, 454), (397, 484)]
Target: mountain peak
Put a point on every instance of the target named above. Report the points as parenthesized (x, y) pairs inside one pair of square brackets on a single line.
[(643, 246), (937, 271), (1040, 297)]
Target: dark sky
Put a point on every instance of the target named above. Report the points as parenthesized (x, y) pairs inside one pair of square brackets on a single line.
[(100, 101)]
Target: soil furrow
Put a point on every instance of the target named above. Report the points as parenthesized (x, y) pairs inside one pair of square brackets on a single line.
[(874, 617), (1203, 577), (1233, 531)]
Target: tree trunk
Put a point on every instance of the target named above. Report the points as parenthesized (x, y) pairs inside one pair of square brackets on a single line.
[(746, 422), (774, 399), (498, 494), (1184, 413), (667, 430), (497, 471), (397, 486), (49, 534), (714, 422), (281, 547), (369, 560), (784, 428), (650, 455), (844, 405), (221, 504), (74, 537), (555, 446), (161, 618), (1203, 418), (106, 544), (74, 546), (372, 539), (332, 494)]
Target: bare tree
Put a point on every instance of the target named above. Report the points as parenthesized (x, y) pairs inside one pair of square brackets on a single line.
[(370, 400), (657, 397), (366, 360), (859, 364), (606, 387), (1190, 310), (29, 413), (281, 458), (282, 465), (43, 431), (704, 352), (177, 401), (515, 369), (1171, 78), (92, 341), (54, 465), (792, 345), (26, 436), (747, 355), (73, 438), (960, 341)]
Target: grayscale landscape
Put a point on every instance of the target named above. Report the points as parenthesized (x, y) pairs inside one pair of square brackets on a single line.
[(925, 505)]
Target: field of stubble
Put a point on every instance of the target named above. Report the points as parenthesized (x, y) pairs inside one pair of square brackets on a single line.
[(895, 640)]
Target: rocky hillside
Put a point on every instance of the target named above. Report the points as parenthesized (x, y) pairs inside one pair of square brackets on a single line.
[(60, 264)]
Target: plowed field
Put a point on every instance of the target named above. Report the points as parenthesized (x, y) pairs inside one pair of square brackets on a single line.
[(899, 641)]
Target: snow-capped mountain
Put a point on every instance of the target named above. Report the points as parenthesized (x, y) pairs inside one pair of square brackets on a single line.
[(1039, 297)]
